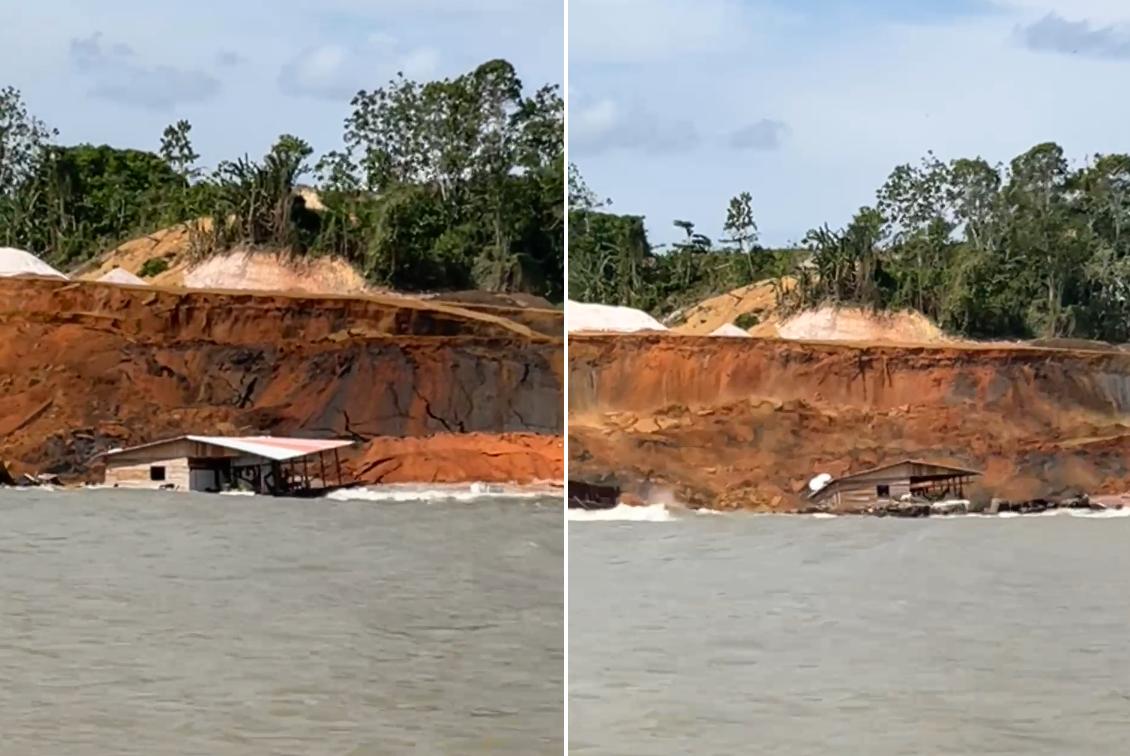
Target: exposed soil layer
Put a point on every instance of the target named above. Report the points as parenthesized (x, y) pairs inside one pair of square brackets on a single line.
[(745, 423), (87, 366), (456, 458)]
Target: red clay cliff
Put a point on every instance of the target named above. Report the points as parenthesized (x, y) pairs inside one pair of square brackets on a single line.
[(745, 423), (86, 366)]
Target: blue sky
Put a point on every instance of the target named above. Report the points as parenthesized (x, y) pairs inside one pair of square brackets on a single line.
[(677, 105), (244, 71)]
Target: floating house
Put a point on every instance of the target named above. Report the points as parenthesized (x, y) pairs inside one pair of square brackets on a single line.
[(260, 464), (914, 478)]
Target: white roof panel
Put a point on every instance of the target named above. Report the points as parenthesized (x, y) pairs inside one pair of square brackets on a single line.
[(273, 447), (268, 447)]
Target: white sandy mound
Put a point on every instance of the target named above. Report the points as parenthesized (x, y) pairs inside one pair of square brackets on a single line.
[(119, 276), (582, 316), (267, 271), (729, 329), (17, 262), (852, 324)]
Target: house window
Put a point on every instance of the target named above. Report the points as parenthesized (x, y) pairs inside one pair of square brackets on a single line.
[(883, 491), (157, 472)]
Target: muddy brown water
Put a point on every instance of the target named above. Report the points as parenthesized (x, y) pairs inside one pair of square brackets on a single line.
[(159, 623), (724, 634)]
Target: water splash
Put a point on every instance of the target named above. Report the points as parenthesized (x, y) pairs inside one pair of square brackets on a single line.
[(465, 493), (623, 513)]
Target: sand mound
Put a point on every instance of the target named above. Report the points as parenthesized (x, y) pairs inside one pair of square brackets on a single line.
[(854, 324), (583, 316), (249, 269), (729, 329), (17, 262), (269, 271), (758, 299), (716, 316), (264, 270), (119, 276), (173, 245)]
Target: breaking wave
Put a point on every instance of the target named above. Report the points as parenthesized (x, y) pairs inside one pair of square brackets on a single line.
[(466, 493), (623, 513), (1088, 514)]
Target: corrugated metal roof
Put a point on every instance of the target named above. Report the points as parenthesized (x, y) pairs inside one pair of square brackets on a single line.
[(268, 447), (947, 470), (273, 447), (922, 463)]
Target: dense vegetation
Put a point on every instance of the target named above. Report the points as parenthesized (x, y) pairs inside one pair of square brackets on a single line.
[(612, 262), (448, 184), (1031, 249)]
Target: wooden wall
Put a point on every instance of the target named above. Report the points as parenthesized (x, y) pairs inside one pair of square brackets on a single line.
[(857, 494), (133, 474)]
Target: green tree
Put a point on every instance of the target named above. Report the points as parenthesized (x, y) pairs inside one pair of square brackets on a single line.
[(24, 142), (177, 150), (741, 227), (1041, 229)]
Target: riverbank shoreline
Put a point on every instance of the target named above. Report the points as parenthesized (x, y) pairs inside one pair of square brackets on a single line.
[(632, 509), (409, 491)]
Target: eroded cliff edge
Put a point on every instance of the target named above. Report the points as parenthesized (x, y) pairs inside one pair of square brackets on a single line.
[(87, 366), (745, 423)]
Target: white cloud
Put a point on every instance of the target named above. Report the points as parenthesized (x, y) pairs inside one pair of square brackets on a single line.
[(1097, 11), (603, 125), (268, 34), (229, 59), (857, 102), (117, 75), (383, 7), (337, 71), (1054, 33), (636, 31), (765, 134)]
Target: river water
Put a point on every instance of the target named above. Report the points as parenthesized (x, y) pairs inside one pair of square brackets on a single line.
[(733, 634), (161, 623)]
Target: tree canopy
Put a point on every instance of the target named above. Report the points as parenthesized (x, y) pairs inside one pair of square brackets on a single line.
[(1034, 248), (448, 184)]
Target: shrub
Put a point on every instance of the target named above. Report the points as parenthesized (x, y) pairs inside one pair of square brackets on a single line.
[(154, 266), (746, 320)]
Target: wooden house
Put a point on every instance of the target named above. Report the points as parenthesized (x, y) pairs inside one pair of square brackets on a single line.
[(262, 464), (927, 480)]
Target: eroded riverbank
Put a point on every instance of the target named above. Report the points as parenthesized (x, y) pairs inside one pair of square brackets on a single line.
[(747, 423)]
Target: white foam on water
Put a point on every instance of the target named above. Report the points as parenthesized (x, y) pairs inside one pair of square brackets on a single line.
[(823, 516), (623, 513), (471, 493), (1099, 514), (237, 493), (1086, 514)]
